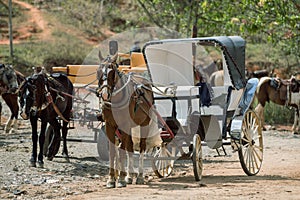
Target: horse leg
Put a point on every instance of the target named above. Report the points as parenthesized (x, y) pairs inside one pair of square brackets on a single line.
[(8, 125), (296, 125), (64, 136), (259, 109), (129, 150), (110, 132), (144, 134), (41, 144), (122, 158), (34, 137), (15, 111)]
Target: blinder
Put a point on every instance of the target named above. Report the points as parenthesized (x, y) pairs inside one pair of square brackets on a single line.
[(107, 79)]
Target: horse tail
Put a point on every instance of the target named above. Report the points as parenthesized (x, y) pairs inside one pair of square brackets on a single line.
[(261, 81)]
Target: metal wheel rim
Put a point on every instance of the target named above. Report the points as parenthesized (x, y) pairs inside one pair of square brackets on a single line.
[(163, 168), (197, 157), (251, 144)]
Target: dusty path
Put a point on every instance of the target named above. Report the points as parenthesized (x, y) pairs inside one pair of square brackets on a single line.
[(38, 28), (36, 25), (85, 176)]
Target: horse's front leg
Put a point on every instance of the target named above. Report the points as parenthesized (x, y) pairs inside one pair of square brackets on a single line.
[(41, 143), (34, 137), (122, 159), (110, 132), (64, 136)]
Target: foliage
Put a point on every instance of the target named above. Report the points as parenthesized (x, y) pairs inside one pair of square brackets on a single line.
[(276, 114), (263, 21)]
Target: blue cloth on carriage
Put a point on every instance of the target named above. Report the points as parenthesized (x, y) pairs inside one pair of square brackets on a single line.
[(206, 93), (248, 94)]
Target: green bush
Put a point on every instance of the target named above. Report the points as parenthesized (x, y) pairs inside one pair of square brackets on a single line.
[(276, 114)]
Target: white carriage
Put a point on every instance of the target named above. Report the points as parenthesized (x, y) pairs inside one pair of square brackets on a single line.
[(185, 121)]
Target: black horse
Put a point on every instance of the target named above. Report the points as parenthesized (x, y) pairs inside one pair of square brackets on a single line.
[(47, 98)]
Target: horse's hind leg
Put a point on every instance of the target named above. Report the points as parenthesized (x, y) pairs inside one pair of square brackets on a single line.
[(12, 102), (144, 134), (64, 136), (296, 125)]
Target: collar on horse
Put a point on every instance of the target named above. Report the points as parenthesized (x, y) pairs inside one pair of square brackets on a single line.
[(49, 99)]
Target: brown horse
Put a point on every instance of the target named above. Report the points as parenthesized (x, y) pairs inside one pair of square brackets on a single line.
[(126, 102), (9, 82), (281, 92)]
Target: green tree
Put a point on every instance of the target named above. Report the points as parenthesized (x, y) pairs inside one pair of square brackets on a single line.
[(259, 21)]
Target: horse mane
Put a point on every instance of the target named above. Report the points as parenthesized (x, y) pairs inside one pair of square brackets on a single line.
[(261, 81)]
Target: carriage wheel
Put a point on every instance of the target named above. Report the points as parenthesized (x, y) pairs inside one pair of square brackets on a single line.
[(197, 157), (163, 161), (251, 144), (102, 145), (48, 137)]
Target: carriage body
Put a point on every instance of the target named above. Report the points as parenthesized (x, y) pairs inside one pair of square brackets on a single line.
[(182, 67)]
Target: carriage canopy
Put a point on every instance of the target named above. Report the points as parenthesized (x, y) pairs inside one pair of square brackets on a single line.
[(174, 60)]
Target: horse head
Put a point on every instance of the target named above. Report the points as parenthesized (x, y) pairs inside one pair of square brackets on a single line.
[(8, 78), (107, 75), (295, 85), (34, 92)]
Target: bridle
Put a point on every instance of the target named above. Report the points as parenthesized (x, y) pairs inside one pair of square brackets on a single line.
[(108, 78)]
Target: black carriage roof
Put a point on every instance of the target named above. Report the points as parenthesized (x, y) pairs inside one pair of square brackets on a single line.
[(233, 48)]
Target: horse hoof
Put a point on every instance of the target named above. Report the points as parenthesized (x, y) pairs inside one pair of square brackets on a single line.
[(50, 158), (66, 157), (111, 184), (121, 183), (139, 180), (32, 162), (128, 180), (41, 164)]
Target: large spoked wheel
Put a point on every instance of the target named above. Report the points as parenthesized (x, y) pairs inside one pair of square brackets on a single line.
[(102, 145), (197, 157), (251, 144), (163, 160)]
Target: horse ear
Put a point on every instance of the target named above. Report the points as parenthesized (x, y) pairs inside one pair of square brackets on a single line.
[(114, 57), (100, 56)]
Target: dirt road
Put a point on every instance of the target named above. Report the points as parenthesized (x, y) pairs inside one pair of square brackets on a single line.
[(85, 176)]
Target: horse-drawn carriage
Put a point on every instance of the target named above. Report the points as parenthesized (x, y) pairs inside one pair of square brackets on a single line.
[(226, 118), (188, 112)]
